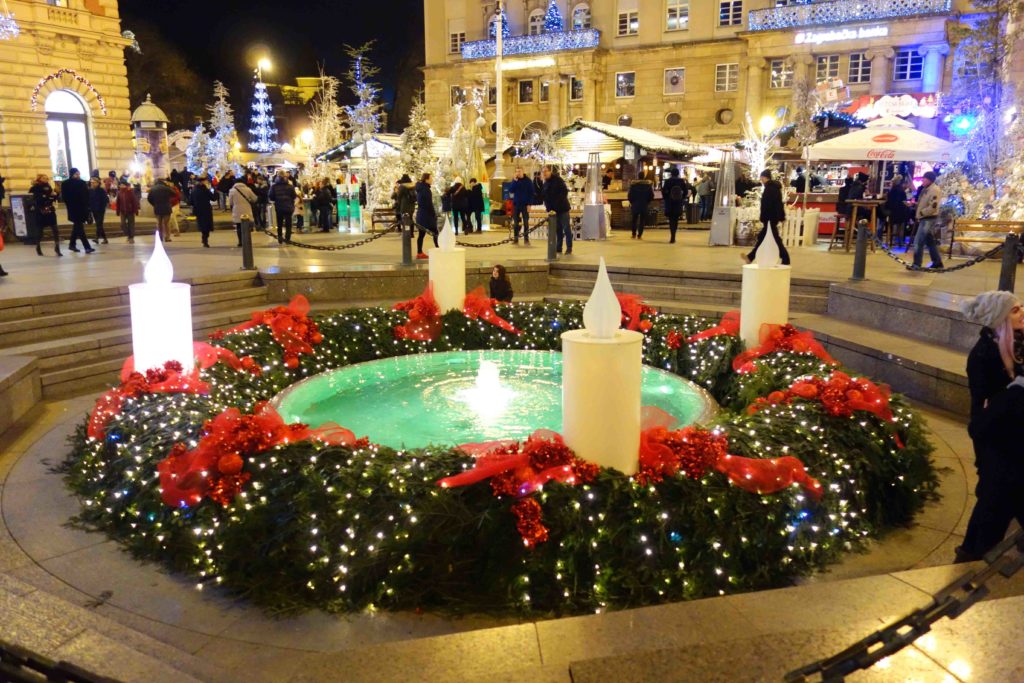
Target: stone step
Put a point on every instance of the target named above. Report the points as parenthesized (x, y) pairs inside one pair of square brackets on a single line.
[(687, 277)]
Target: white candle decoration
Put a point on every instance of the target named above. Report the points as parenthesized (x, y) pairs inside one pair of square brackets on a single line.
[(161, 315), (447, 271), (446, 238), (601, 375), (768, 254)]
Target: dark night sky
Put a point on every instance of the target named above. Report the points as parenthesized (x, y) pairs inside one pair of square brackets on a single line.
[(222, 39)]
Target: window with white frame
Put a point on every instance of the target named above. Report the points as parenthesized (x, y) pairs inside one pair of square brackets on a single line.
[(575, 89), (625, 84), (860, 68), (629, 23), (455, 41), (675, 81), (908, 66), (458, 95), (826, 67), (526, 91), (730, 12), (677, 15), (727, 77), (536, 23), (545, 91), (581, 17), (781, 74), (492, 95)]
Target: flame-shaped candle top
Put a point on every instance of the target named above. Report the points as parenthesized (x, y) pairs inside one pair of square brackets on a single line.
[(158, 268), (768, 254), (446, 238), (602, 313)]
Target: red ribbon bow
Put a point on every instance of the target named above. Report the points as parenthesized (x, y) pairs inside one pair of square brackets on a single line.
[(839, 393), (781, 338), (633, 308), (290, 326), (424, 317), (479, 305), (730, 326)]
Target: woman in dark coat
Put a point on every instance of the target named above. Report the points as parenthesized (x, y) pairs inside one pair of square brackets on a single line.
[(773, 212), (202, 207), (98, 199), (460, 207), (476, 205), (46, 212), (640, 196), (501, 286), (426, 217), (324, 200), (994, 370), (674, 192), (895, 206)]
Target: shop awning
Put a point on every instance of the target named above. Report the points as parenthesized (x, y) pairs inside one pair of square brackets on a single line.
[(885, 139), (592, 136)]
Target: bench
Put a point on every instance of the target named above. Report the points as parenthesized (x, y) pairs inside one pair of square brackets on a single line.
[(382, 217), (961, 226)]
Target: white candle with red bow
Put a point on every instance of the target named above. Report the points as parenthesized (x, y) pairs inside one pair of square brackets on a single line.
[(447, 271), (765, 293), (161, 315)]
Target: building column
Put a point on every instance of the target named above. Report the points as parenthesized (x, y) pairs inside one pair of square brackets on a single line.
[(554, 82), (931, 76), (590, 97), (800, 64), (881, 69), (755, 85)]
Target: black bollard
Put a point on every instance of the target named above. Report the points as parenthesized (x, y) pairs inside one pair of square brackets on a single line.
[(860, 255), (552, 236), (1008, 272), (247, 260), (405, 223)]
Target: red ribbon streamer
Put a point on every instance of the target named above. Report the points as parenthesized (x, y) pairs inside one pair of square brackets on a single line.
[(781, 338), (730, 326), (479, 305), (839, 393), (424, 317), (290, 326), (633, 308)]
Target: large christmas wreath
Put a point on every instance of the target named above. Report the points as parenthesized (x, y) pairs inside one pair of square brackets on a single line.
[(196, 471)]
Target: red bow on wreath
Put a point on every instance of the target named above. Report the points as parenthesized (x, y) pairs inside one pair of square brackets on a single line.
[(424, 317), (290, 327), (633, 308), (781, 338), (214, 468), (839, 393), (479, 305), (730, 326)]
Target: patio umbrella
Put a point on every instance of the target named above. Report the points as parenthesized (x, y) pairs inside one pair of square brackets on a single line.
[(886, 139)]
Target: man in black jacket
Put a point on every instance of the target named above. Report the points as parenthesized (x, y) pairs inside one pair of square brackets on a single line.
[(674, 192), (556, 198), (282, 194), (75, 193), (476, 205), (640, 196), (201, 200), (773, 212)]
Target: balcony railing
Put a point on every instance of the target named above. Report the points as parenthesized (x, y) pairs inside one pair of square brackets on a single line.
[(823, 13), (527, 45)]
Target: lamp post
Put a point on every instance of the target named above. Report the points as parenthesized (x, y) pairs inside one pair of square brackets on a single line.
[(499, 129)]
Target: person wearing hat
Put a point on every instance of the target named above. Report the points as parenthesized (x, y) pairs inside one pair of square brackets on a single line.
[(928, 201), (773, 212), (994, 377)]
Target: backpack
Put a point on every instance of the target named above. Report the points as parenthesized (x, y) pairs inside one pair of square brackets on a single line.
[(676, 193)]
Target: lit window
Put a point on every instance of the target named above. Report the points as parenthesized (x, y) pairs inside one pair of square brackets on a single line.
[(625, 84), (730, 12), (629, 23), (67, 128), (458, 95), (677, 15), (575, 88), (675, 81), (781, 74), (860, 68), (536, 23), (908, 66), (545, 92), (827, 67), (455, 41), (727, 77), (581, 17), (526, 91)]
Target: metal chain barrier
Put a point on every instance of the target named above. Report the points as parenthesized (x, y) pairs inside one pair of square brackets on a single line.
[(394, 227), (960, 266), (507, 240)]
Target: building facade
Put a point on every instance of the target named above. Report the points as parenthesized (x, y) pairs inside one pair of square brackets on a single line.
[(63, 91), (686, 68)]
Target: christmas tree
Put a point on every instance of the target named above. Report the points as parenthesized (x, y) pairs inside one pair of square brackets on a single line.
[(61, 172), (417, 140), (465, 157), (364, 116), (222, 124), (553, 18), (262, 129), (196, 155), (503, 20), (326, 123)]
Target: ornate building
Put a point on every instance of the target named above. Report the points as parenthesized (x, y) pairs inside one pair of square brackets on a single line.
[(687, 68), (63, 91)]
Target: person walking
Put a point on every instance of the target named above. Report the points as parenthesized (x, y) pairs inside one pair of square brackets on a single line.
[(895, 208), (405, 200), (224, 187), (75, 194), (110, 185), (674, 192), (928, 201), (460, 207), (127, 207), (704, 197), (556, 198), (159, 197), (522, 192), (995, 378), (426, 216), (98, 200), (282, 195), (242, 201), (172, 221), (201, 200), (476, 205), (773, 212), (324, 202), (640, 196), (45, 199)]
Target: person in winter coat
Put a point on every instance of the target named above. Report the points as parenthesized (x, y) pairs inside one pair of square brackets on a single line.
[(172, 221), (127, 207), (773, 212), (46, 211), (460, 207), (110, 185), (159, 197), (895, 206), (674, 193), (98, 200), (476, 205), (426, 217), (258, 184), (405, 199), (704, 193), (640, 196), (201, 199), (994, 377), (242, 201), (556, 198), (500, 285), (75, 193), (928, 201), (224, 186), (282, 195), (522, 192), (324, 200)]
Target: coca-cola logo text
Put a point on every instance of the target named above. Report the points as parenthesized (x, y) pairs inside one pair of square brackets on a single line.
[(881, 154)]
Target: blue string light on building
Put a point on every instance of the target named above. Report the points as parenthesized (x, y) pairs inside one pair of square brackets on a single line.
[(525, 45), (823, 13)]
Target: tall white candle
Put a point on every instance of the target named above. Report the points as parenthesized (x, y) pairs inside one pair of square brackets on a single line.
[(447, 271), (161, 315), (601, 375), (765, 294)]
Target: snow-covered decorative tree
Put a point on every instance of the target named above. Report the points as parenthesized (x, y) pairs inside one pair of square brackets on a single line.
[(363, 116), (222, 125), (465, 158), (759, 146), (805, 107), (325, 120), (502, 19), (197, 158), (261, 121), (553, 22), (417, 140)]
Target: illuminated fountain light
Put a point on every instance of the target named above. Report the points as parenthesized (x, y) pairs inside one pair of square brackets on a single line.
[(487, 397)]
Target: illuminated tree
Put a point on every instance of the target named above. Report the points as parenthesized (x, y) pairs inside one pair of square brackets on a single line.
[(262, 128), (553, 22)]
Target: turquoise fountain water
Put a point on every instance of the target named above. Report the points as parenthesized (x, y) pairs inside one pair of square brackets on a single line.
[(462, 397)]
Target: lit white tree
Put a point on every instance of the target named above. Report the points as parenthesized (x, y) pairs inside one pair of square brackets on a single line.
[(364, 117), (262, 128), (418, 140), (326, 123), (220, 149), (465, 158), (759, 146), (197, 158)]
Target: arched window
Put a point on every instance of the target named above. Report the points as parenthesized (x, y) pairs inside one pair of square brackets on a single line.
[(533, 130), (536, 22), (581, 17), (67, 127)]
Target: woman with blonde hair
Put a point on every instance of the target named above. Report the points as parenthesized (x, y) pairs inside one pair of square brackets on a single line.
[(46, 211)]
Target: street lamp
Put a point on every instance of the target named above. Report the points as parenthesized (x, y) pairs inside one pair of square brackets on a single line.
[(767, 124), (262, 65), (499, 128)]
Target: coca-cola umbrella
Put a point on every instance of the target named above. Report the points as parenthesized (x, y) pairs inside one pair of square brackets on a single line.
[(886, 139)]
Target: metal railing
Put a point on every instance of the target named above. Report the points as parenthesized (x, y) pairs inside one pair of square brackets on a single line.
[(841, 12)]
